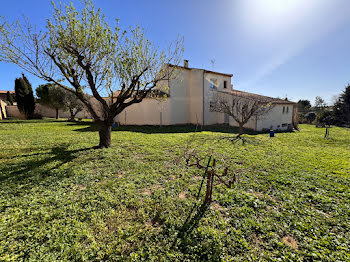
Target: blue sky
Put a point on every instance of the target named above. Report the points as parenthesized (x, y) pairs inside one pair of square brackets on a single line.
[(296, 48)]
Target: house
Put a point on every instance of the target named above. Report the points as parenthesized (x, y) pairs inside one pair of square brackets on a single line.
[(3, 94), (2, 110), (280, 116), (188, 102)]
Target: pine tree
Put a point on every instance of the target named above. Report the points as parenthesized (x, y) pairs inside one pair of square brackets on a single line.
[(342, 108), (24, 96)]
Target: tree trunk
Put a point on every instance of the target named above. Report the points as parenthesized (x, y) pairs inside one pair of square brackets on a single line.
[(56, 113), (240, 129), (72, 115), (105, 134)]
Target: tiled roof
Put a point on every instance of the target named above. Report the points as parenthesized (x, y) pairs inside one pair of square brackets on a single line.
[(206, 71), (261, 97), (5, 91)]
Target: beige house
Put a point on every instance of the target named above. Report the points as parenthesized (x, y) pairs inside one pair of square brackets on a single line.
[(190, 94), (189, 99), (3, 94), (2, 110)]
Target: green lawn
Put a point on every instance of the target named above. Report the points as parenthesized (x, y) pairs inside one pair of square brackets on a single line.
[(62, 200)]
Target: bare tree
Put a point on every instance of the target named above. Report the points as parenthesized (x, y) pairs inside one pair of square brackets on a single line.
[(79, 48), (241, 107)]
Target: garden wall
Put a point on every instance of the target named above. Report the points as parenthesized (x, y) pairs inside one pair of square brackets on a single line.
[(12, 111)]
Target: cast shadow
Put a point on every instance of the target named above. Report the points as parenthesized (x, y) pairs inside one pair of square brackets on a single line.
[(148, 129), (18, 172)]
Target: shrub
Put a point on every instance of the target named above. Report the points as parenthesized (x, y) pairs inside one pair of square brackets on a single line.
[(326, 118), (310, 117)]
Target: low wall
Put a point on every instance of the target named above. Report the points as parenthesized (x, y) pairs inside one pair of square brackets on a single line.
[(12, 111), (49, 112)]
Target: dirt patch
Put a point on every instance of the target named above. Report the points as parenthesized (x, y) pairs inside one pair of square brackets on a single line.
[(219, 208), (151, 190), (149, 223), (153, 223), (147, 192), (167, 165), (157, 187), (257, 241), (79, 187), (197, 177), (183, 195), (290, 241), (138, 157), (172, 177), (216, 206), (157, 221), (257, 194)]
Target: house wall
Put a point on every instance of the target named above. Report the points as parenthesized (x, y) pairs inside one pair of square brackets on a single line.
[(170, 111), (180, 98), (196, 97), (184, 106), (2, 110), (148, 112), (3, 96), (212, 118), (251, 124), (275, 118)]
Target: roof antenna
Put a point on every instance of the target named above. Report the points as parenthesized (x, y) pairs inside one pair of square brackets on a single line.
[(212, 62)]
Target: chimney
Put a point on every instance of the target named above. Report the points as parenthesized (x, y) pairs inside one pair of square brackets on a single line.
[(186, 63)]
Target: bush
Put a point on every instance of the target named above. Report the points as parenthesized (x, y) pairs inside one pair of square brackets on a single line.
[(310, 117), (326, 118)]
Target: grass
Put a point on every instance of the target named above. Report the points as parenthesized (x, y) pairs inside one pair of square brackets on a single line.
[(62, 200)]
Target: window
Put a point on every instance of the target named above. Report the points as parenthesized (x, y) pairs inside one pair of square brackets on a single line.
[(225, 84), (284, 109), (213, 83), (287, 109), (284, 125)]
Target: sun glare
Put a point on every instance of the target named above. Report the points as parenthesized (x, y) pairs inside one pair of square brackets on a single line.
[(274, 16)]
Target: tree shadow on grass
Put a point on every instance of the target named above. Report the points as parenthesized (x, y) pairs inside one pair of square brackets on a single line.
[(189, 225), (148, 129), (18, 172), (31, 121)]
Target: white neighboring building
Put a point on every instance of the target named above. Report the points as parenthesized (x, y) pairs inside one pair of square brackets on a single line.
[(189, 99)]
